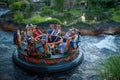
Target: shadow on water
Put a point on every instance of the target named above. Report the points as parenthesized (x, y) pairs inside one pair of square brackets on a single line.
[(94, 49)]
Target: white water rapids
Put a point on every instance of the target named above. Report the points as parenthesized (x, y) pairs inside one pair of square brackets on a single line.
[(3, 11), (107, 43)]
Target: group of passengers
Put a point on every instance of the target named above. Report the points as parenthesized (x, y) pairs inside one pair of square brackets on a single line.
[(32, 43)]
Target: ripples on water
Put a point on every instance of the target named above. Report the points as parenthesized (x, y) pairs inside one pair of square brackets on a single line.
[(94, 49)]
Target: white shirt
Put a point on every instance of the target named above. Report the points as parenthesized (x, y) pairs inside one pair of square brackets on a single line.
[(30, 32), (67, 34), (76, 39), (62, 47)]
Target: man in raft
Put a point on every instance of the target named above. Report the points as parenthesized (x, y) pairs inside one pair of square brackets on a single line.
[(36, 32)]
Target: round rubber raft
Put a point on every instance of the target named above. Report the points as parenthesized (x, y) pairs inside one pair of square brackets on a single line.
[(39, 65)]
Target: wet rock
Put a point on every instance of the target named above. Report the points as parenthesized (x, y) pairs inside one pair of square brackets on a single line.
[(7, 27), (117, 30), (90, 32)]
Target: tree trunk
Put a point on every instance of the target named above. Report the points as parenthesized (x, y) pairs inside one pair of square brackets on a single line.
[(52, 3)]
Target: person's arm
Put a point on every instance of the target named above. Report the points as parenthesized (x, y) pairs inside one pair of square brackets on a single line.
[(68, 43), (53, 32), (59, 29), (40, 31), (58, 32)]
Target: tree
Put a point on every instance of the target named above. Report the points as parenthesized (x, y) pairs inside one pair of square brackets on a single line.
[(59, 5), (23, 6), (47, 2), (18, 17)]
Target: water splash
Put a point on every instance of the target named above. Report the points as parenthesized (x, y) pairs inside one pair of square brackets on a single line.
[(89, 50), (107, 43), (3, 11)]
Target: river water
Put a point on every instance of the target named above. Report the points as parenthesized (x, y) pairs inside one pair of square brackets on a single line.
[(94, 48), (3, 11)]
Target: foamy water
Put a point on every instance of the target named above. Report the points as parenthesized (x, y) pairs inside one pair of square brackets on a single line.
[(3, 11), (107, 43)]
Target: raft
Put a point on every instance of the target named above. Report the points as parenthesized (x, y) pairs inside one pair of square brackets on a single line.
[(47, 63), (39, 65)]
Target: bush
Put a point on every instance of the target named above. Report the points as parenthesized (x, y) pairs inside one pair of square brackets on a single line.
[(16, 5), (9, 2), (111, 69), (20, 5), (77, 23), (25, 4), (38, 19), (99, 13), (116, 14), (18, 16), (44, 8), (59, 5), (34, 20), (54, 20), (46, 11)]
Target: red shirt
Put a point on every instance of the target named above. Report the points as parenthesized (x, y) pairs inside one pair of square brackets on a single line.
[(36, 32)]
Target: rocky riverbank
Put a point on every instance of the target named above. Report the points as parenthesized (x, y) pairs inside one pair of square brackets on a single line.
[(109, 27)]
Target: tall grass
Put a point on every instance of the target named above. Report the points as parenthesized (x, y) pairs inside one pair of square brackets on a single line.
[(111, 68)]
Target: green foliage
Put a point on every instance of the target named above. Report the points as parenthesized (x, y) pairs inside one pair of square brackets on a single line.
[(16, 5), (20, 5), (34, 20), (102, 3), (68, 17), (25, 4), (116, 14), (26, 9), (59, 5), (111, 69), (100, 13), (44, 8), (47, 2), (76, 12), (9, 2), (46, 11), (38, 19), (18, 16), (55, 20), (95, 8), (102, 10)]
